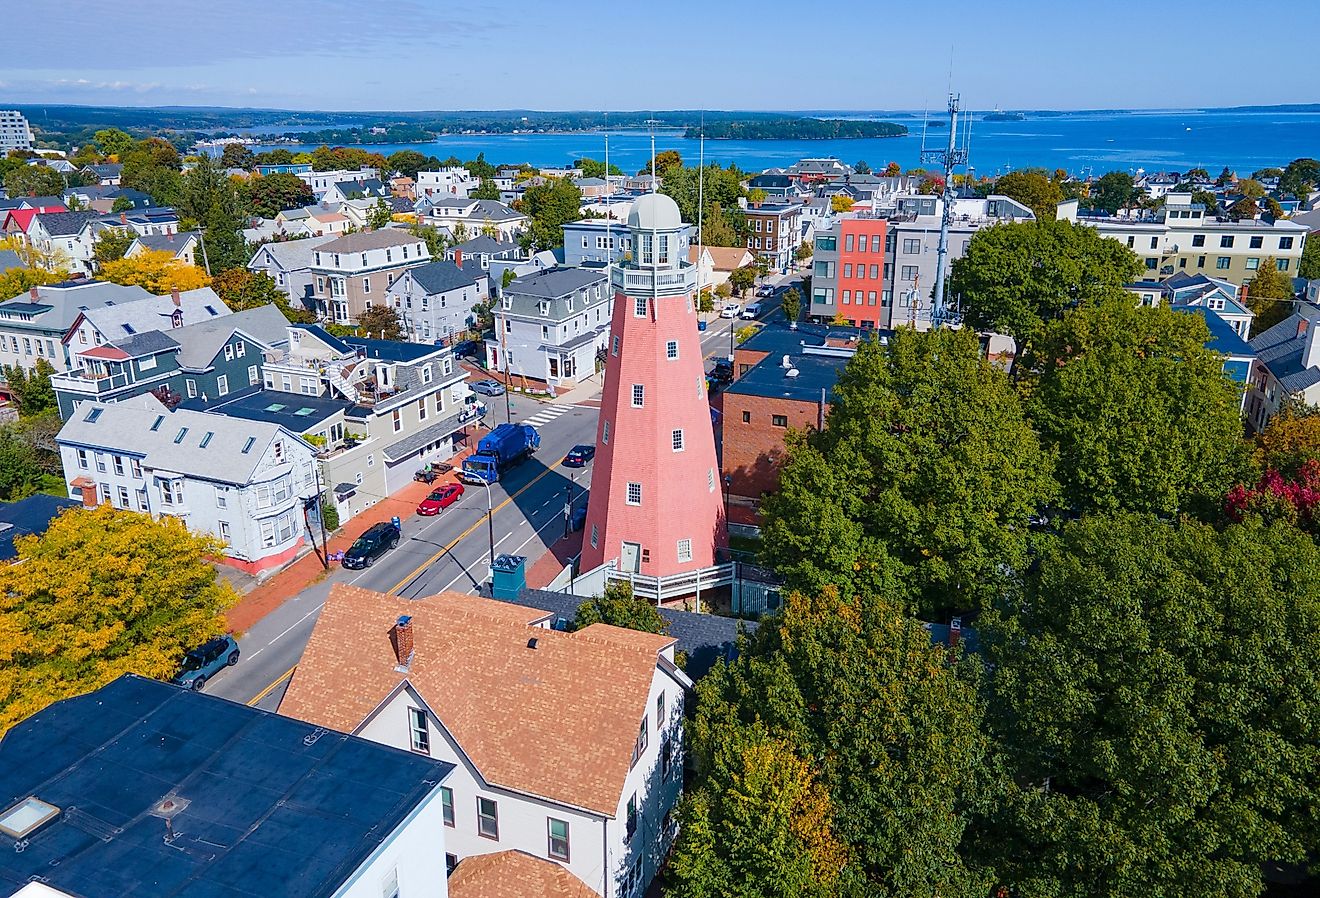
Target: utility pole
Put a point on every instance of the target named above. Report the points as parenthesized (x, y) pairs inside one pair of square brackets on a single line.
[(947, 158)]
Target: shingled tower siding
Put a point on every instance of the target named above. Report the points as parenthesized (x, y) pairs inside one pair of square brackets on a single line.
[(656, 508)]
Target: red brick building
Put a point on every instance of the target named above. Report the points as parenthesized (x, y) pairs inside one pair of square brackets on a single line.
[(851, 278)]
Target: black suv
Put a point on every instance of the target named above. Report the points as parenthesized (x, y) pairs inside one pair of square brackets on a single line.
[(723, 371), (375, 542)]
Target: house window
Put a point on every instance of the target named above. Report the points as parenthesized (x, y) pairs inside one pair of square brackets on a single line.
[(779, 420), (634, 493), (1253, 263), (557, 831), (1223, 262), (123, 497), (192, 388), (630, 820), (1226, 241), (229, 352), (875, 243), (447, 804), (451, 860), (605, 433), (224, 530), (1281, 264), (594, 536), (684, 554), (676, 440), (366, 285), (136, 467), (418, 735), (421, 409), (638, 395), (142, 500), (396, 418), (639, 307), (488, 818), (222, 385), (671, 349), (911, 245), (666, 760), (908, 272), (118, 460), (253, 377), (1198, 240), (847, 269), (1285, 243), (710, 480), (643, 740), (616, 346), (1256, 242), (222, 497)]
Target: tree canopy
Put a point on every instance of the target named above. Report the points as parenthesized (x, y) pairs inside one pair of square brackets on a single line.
[(34, 180), (927, 457), (241, 289), (550, 206), (268, 195), (1017, 276), (1269, 295), (102, 593), (380, 322), (1033, 189), (1113, 191), (618, 607), (155, 270)]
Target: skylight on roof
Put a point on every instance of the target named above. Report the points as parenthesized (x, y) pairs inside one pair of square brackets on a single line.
[(247, 447), (303, 412), (26, 816), (92, 415), (129, 328), (160, 419), (211, 309), (183, 432), (206, 439), (275, 407)]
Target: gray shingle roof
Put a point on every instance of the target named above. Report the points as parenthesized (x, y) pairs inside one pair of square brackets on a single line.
[(65, 303), (1281, 348), (482, 245), (439, 277), (153, 313), (150, 343), (554, 286), (10, 259), (126, 427), (201, 342), (170, 243), (65, 224), (294, 255), (365, 240)]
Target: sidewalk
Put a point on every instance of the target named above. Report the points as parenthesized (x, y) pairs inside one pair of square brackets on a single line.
[(587, 391), (308, 569)]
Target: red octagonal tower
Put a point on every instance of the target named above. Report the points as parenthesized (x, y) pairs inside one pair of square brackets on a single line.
[(655, 504)]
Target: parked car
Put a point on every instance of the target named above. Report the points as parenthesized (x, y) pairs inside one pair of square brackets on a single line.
[(206, 661), (765, 291), (466, 348), (488, 387), (730, 310), (440, 499), (579, 455), (375, 542), (753, 309), (723, 371)]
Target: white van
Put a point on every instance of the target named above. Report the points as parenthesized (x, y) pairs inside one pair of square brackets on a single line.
[(753, 309)]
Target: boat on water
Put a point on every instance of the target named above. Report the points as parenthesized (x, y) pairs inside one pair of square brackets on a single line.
[(999, 115)]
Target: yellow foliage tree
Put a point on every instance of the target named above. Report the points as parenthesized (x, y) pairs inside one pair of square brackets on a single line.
[(154, 270), (1291, 439), (840, 202), (102, 593)]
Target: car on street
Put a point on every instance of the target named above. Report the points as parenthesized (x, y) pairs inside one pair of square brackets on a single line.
[(723, 371), (767, 290), (206, 661), (730, 310), (373, 543), (465, 348), (488, 387), (753, 309), (440, 499), (579, 455)]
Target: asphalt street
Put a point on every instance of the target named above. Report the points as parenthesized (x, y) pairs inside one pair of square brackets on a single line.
[(451, 551)]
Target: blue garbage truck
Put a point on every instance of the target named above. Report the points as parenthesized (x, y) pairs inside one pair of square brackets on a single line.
[(498, 451)]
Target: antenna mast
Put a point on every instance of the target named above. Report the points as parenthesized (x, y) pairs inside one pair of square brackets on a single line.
[(701, 204), (947, 158)]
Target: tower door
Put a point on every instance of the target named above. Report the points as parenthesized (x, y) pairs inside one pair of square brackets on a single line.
[(630, 557)]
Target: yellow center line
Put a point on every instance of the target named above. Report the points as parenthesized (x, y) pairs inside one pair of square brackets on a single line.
[(271, 688), (468, 532)]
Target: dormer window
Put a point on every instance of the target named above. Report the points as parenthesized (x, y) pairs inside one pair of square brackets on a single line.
[(336, 260), (545, 308)]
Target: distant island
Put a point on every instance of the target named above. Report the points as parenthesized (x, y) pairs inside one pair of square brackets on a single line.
[(796, 129), (998, 116)]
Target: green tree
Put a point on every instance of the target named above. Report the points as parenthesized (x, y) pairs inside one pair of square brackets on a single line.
[(862, 168), (122, 204), (436, 240), (550, 206), (1227, 177), (268, 195), (594, 168), (742, 279), (1033, 189), (664, 161), (1269, 296), (203, 187), (1251, 188), (236, 155), (1016, 277), (618, 607), (756, 196), (31, 390), (1113, 191), (1138, 410), (1300, 177), (380, 322), (1207, 199), (102, 593), (1244, 208), (1154, 705), (112, 244), (21, 475), (409, 162), (379, 216), (486, 190), (718, 186), (242, 289), (885, 723), (792, 304), (1310, 266), (113, 142), (718, 228), (804, 251), (34, 180), (926, 457)]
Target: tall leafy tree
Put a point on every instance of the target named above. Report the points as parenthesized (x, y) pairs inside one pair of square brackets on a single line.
[(550, 206), (409, 162), (890, 726), (1016, 277), (380, 322), (379, 215), (1155, 704), (154, 270), (236, 155), (1138, 410), (618, 607), (1033, 189), (102, 593), (31, 390), (926, 457), (19, 280), (34, 180), (1269, 295), (1300, 177), (242, 289), (1113, 191), (112, 243), (113, 142), (486, 190), (268, 195)]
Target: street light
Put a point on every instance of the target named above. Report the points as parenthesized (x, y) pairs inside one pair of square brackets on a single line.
[(490, 519)]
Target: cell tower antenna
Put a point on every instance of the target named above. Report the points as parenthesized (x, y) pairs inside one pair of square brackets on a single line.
[(701, 203), (609, 206), (948, 159)]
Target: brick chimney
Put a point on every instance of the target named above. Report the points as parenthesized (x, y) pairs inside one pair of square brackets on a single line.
[(174, 295), (32, 292), (402, 637), (123, 218), (90, 498), (458, 258)]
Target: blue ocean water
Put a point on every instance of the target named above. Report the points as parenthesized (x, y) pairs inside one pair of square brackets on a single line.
[(1082, 143)]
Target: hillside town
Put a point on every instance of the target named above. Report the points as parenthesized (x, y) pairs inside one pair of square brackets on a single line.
[(390, 525)]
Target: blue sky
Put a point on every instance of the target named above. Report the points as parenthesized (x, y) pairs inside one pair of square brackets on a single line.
[(590, 54)]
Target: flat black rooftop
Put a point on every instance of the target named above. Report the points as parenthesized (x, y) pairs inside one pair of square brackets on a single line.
[(275, 806), (295, 411)]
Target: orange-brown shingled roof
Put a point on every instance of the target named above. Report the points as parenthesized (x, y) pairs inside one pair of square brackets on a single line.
[(514, 874), (558, 720)]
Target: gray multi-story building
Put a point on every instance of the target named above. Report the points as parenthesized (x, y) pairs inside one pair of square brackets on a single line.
[(14, 131), (596, 240), (434, 301), (551, 326)]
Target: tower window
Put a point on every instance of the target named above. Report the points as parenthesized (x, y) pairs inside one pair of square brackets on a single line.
[(605, 433), (634, 494), (616, 345), (685, 550), (710, 480), (638, 395), (594, 535), (639, 307), (671, 349), (676, 440)]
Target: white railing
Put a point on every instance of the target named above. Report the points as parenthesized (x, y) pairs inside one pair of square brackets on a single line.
[(675, 586)]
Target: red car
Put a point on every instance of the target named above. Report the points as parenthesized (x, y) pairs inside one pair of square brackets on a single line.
[(440, 499)]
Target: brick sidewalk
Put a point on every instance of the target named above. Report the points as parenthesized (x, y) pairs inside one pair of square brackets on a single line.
[(308, 570)]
